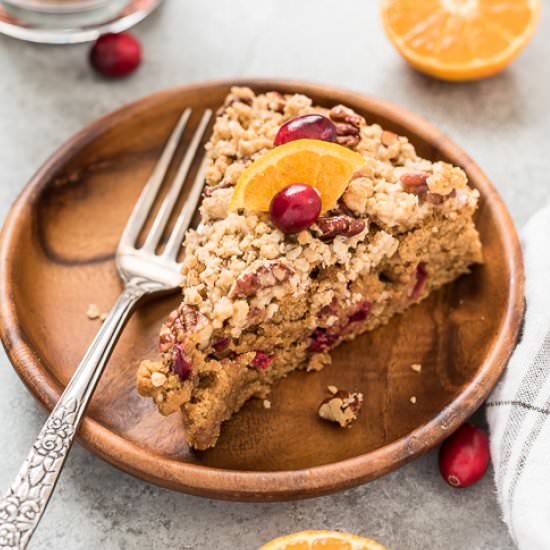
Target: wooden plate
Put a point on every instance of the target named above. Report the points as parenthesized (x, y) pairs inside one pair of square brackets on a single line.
[(56, 257)]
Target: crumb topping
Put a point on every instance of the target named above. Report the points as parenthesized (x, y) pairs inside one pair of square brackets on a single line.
[(258, 303), (238, 263)]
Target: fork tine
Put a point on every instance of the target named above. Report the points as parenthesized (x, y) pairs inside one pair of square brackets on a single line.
[(173, 245), (149, 193), (171, 198)]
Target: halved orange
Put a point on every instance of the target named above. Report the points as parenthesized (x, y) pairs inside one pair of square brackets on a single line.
[(460, 39), (326, 166), (322, 540)]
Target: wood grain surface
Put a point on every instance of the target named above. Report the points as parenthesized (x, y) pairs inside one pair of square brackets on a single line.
[(56, 257)]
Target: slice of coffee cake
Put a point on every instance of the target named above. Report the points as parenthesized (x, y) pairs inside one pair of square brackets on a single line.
[(265, 293)]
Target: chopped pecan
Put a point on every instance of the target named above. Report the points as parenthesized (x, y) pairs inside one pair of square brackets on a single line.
[(276, 101), (180, 322), (435, 198), (414, 182), (388, 138), (255, 314), (265, 276), (332, 226), (417, 183), (341, 209), (246, 100), (342, 407), (209, 189), (240, 95)]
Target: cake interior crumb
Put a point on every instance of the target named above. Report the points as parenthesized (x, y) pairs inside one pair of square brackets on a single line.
[(93, 312)]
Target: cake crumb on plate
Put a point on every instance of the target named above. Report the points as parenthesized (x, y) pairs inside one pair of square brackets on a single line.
[(416, 367), (342, 407), (413, 399), (93, 312), (267, 404)]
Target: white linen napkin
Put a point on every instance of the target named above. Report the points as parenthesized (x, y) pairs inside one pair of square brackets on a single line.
[(518, 411)]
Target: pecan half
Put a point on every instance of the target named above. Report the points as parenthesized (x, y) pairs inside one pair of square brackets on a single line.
[(347, 135), (348, 125), (346, 226), (340, 113), (266, 276)]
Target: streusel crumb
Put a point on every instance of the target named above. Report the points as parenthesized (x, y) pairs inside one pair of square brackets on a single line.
[(341, 407)]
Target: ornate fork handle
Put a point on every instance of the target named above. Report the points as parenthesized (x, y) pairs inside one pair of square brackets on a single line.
[(23, 505)]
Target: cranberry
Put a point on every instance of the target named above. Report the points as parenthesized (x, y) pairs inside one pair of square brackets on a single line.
[(321, 341), (295, 207), (115, 55), (221, 344), (332, 226), (420, 278), (361, 313), (306, 127), (464, 457), (262, 360), (182, 366)]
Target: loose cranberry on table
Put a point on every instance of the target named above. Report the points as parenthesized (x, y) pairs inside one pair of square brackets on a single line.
[(115, 54), (306, 127), (295, 207), (464, 457)]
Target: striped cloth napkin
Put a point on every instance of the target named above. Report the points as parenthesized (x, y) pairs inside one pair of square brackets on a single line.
[(519, 409)]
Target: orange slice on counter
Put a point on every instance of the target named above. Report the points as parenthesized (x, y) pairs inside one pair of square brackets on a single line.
[(326, 166), (460, 39), (322, 540)]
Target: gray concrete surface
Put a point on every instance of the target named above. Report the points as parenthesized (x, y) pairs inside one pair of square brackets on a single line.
[(47, 93)]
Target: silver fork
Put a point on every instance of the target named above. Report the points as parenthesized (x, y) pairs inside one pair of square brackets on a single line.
[(144, 273)]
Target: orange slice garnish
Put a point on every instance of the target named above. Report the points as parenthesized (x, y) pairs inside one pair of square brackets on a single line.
[(460, 39), (322, 540), (326, 166)]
